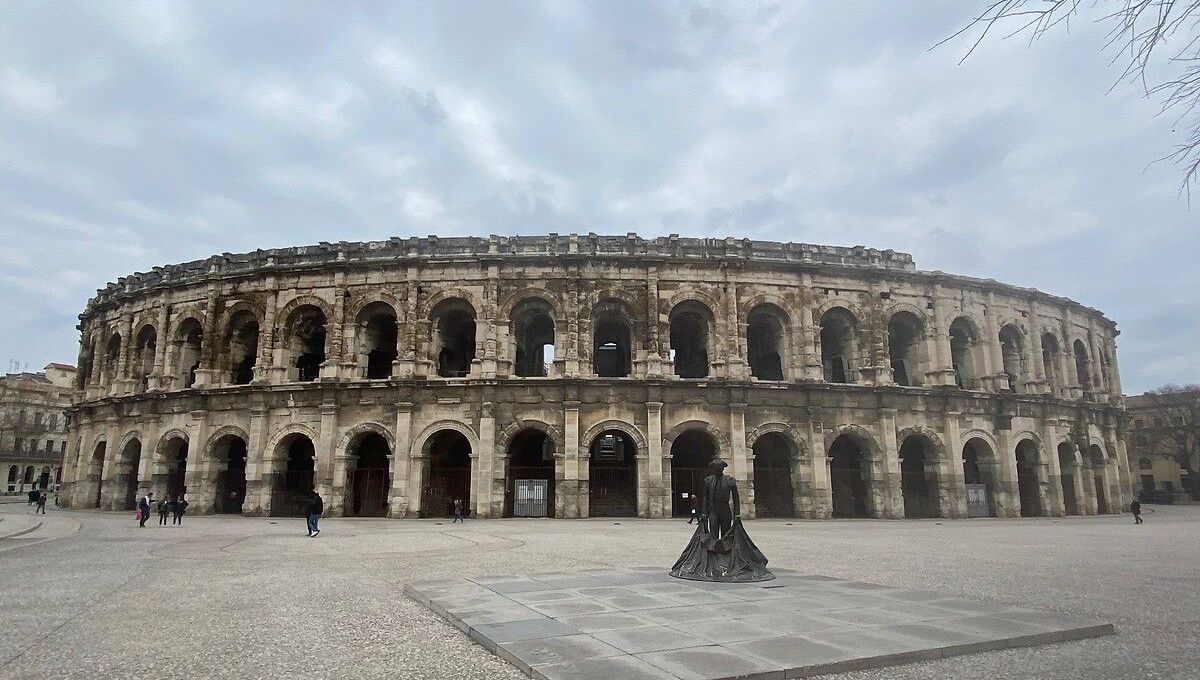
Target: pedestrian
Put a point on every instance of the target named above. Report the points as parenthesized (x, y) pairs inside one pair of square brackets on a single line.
[(41, 503), (313, 513), (32, 495), (458, 511), (144, 508), (1136, 508), (692, 511), (180, 510), (162, 512)]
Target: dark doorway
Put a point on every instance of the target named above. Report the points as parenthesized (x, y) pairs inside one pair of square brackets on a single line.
[(230, 455), (1027, 479), (838, 346), (766, 342), (773, 493), (294, 486), (370, 481), (611, 341), (691, 452), (917, 477), (1066, 468), (454, 338), (612, 474), (449, 475), (689, 337), (848, 478), (377, 340), (173, 471), (131, 459), (530, 457), (96, 473), (978, 474)]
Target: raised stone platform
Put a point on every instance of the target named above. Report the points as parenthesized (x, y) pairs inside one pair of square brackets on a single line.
[(617, 624)]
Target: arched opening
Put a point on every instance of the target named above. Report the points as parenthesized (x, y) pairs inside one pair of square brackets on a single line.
[(304, 342), (449, 475), (918, 477), (532, 338), (44, 477), (1096, 455), (147, 343), (188, 340), (691, 322), (126, 478), (172, 468), (529, 475), (376, 340), (1083, 366), (767, 342), (454, 337), (612, 475), (979, 475), (95, 474), (14, 473), (293, 486), (839, 345), (369, 482), (612, 346), (964, 353), (1012, 353), (1067, 469), (87, 356), (906, 336), (112, 358), (229, 456), (241, 348), (691, 452), (29, 475), (57, 477), (848, 477), (1027, 479), (774, 494), (1050, 361)]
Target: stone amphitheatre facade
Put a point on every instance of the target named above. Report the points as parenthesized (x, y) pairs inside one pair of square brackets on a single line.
[(587, 375)]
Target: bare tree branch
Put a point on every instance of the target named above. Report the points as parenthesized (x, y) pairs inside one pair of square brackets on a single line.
[(1141, 31)]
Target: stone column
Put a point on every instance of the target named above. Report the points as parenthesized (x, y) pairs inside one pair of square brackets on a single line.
[(206, 373), (654, 490), (486, 489), (736, 367), (108, 494), (401, 502), (993, 356), (887, 494), (488, 344), (571, 501), (656, 363), (951, 485), (1100, 384), (258, 492), (1089, 504), (159, 379), (335, 331), (1049, 474), (197, 477), (1006, 491), (122, 384), (323, 473), (938, 344), (818, 501), (738, 458), (812, 369), (265, 360), (1038, 382)]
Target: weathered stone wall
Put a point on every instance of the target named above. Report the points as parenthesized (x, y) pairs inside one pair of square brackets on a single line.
[(980, 368)]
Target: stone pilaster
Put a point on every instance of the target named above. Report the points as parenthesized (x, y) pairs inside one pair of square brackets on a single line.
[(951, 487), (401, 502), (570, 497), (885, 490), (654, 488), (258, 492), (487, 487)]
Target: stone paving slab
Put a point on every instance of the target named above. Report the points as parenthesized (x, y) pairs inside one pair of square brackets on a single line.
[(640, 624)]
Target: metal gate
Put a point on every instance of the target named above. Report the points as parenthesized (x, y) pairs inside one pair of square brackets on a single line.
[(291, 493), (529, 499), (369, 489), (977, 501)]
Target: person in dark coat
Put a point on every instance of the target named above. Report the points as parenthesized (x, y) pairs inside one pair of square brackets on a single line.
[(313, 513), (144, 508), (1136, 508), (458, 511), (162, 512), (41, 503), (180, 508)]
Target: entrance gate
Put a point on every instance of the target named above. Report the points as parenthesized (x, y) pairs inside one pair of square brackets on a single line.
[(529, 498), (291, 493), (369, 491), (977, 501)]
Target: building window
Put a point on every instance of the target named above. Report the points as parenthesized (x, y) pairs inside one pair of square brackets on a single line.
[(62, 447), (1148, 482), (49, 446), (1145, 464), (1140, 439), (1139, 423), (53, 421)]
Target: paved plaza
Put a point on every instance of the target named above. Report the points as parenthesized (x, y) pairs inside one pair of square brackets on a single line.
[(92, 595)]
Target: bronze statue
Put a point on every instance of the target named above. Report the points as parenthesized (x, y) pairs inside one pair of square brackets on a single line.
[(720, 550)]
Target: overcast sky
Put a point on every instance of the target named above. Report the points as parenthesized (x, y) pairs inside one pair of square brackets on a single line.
[(134, 135)]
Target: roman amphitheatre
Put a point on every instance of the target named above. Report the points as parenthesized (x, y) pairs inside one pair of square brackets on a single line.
[(578, 376)]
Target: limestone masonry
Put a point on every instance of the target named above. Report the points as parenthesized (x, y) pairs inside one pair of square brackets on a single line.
[(586, 375)]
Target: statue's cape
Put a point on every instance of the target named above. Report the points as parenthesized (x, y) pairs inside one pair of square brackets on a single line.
[(733, 558)]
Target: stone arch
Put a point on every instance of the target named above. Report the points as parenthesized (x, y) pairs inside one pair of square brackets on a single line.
[(1027, 435), (289, 307), (897, 307), (371, 426), (505, 435), (223, 431), (704, 297), (363, 300), (182, 315), (819, 310), (628, 298), (621, 426), (282, 433), (441, 295), (860, 434), (986, 436), (421, 441), (165, 437), (128, 437), (719, 438), (798, 442), (238, 307), (514, 300), (745, 307), (935, 439)]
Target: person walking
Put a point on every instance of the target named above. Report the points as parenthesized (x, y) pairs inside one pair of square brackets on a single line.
[(313, 513), (458, 511), (162, 512), (1136, 508), (144, 508), (692, 512), (41, 503), (32, 496), (180, 508)]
